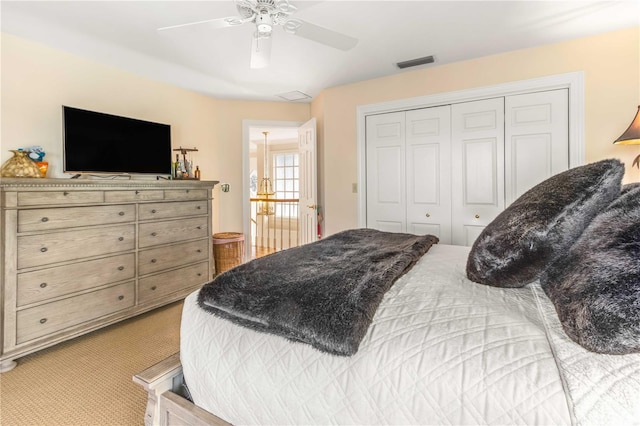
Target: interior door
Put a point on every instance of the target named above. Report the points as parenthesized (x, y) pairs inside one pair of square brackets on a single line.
[(428, 155), (386, 206), (477, 152), (536, 139), (307, 207)]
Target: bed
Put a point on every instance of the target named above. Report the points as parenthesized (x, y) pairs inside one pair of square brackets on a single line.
[(440, 348)]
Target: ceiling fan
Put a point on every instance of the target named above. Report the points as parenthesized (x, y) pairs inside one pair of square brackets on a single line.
[(265, 14)]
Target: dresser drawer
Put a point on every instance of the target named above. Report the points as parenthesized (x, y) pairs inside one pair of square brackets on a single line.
[(56, 316), (59, 197), (157, 259), (156, 286), (185, 194), (44, 284), (133, 195), (168, 210), (164, 232), (56, 218), (36, 250)]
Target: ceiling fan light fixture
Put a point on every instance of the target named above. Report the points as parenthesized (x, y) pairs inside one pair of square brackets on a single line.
[(415, 62), (264, 23), (260, 50)]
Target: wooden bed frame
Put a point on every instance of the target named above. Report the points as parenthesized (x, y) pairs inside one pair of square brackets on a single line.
[(166, 404)]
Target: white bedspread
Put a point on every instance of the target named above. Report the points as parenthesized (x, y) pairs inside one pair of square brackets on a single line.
[(440, 350)]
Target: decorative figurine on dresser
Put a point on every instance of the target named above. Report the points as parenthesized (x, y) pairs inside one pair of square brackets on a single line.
[(80, 254)]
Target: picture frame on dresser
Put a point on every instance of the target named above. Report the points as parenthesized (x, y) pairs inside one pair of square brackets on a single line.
[(78, 255)]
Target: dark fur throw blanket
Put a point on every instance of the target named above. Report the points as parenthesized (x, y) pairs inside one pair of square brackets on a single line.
[(324, 293)]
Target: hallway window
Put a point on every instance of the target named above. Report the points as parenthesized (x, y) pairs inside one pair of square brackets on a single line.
[(286, 182)]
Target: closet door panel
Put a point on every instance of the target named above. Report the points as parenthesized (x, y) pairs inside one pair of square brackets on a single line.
[(536, 139), (428, 151), (477, 166), (386, 199)]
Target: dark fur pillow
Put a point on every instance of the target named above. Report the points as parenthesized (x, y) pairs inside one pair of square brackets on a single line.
[(595, 287), (629, 187), (545, 221)]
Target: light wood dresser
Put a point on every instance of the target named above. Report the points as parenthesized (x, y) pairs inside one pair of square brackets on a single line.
[(78, 255)]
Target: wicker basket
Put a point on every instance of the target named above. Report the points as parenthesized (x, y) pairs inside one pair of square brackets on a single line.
[(228, 250)]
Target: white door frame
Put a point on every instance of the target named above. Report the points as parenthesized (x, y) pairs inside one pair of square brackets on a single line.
[(574, 81), (246, 141)]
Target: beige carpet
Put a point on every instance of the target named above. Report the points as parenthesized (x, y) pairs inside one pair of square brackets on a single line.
[(87, 381)]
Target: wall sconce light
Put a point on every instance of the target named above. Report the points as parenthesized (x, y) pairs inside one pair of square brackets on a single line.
[(631, 136)]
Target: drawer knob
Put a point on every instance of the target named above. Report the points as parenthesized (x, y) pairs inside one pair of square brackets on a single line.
[(43, 285), (477, 216), (153, 234), (187, 191), (43, 320), (153, 211), (199, 274), (137, 192), (121, 297), (121, 213), (154, 287), (65, 193), (153, 260), (199, 227), (428, 215), (120, 238), (45, 219), (198, 208), (43, 249), (199, 251), (120, 268)]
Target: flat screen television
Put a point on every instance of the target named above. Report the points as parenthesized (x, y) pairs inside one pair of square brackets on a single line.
[(100, 143)]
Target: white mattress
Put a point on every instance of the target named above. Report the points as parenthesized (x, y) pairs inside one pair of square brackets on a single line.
[(440, 350)]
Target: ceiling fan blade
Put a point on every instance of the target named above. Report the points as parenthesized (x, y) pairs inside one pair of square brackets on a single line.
[(260, 50), (212, 23), (323, 35)]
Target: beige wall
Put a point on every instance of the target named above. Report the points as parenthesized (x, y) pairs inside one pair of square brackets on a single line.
[(37, 80), (611, 65)]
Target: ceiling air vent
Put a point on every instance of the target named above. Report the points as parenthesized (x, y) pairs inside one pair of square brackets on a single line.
[(415, 62), (294, 96)]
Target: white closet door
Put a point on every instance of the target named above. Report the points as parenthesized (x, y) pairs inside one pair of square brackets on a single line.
[(477, 179), (386, 201), (536, 139), (428, 155)]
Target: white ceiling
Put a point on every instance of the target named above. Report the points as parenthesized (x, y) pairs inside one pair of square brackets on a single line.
[(216, 61)]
